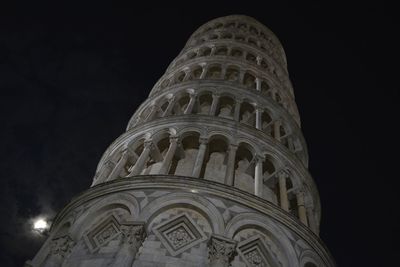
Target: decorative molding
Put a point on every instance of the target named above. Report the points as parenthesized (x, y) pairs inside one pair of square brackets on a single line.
[(254, 252), (179, 233), (102, 233)]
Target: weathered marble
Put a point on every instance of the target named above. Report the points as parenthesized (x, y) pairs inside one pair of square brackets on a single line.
[(211, 171)]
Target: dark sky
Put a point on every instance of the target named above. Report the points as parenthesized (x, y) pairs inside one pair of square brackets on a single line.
[(71, 77)]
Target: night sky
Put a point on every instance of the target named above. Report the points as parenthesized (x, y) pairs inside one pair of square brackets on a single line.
[(71, 78)]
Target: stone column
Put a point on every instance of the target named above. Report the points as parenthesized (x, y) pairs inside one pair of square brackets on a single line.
[(171, 104), (189, 107), (301, 207), (137, 169), (258, 84), (152, 113), (213, 48), (273, 94), (258, 179), (230, 167), (187, 74), (60, 248), (241, 77), (277, 130), (283, 190), (173, 143), (214, 104), (259, 112), (203, 72), (236, 114), (118, 167), (200, 157), (259, 59), (132, 237), (223, 72), (221, 251)]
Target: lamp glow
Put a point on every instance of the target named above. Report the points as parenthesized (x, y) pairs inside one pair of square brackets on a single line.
[(40, 225)]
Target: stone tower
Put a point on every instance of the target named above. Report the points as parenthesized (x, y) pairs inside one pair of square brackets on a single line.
[(211, 171)]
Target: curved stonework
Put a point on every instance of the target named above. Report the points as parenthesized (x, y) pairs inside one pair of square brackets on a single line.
[(211, 171)]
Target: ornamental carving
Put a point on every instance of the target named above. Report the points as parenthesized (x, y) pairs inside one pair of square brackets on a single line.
[(221, 249), (61, 246), (103, 233), (255, 253), (179, 234), (133, 233)]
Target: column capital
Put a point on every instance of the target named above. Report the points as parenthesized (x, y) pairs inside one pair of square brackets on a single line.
[(203, 140), (154, 106), (171, 99), (233, 147), (61, 246), (259, 108), (174, 138), (259, 59), (221, 250), (239, 100), (284, 173), (148, 143), (216, 95), (133, 232), (259, 158)]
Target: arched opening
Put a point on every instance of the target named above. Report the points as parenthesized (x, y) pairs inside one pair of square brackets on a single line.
[(217, 25), (226, 35), (266, 123), (240, 38), (212, 37), (181, 104), (252, 58), (253, 30), (270, 185), (163, 108), (252, 41), (265, 88), (221, 51), (214, 166), (264, 64), (247, 114), (160, 148), (206, 51), (236, 52), (191, 55), (278, 98), (145, 113), (244, 168), (196, 73), (232, 74), (180, 77), (165, 83), (225, 107), (230, 24), (204, 103), (242, 26), (249, 81), (189, 148), (214, 72)]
